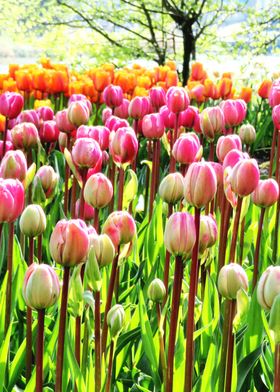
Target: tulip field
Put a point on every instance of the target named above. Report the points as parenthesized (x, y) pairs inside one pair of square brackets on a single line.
[(139, 230)]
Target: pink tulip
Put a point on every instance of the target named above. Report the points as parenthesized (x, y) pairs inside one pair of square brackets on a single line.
[(122, 110), (98, 191), (9, 147), (200, 184), (49, 132), (98, 133), (234, 112), (187, 148), (13, 165), (139, 107), (120, 227), (266, 193), (124, 145), (113, 96), (212, 122), (226, 144), (274, 95), (78, 113), (188, 117), (86, 152), (177, 99), (153, 126), (69, 242), (106, 113), (11, 199), (48, 179), (218, 169), (157, 97), (233, 157), (11, 104), (25, 136), (168, 117), (80, 98), (29, 116), (114, 123), (45, 113), (63, 123), (88, 211), (244, 177), (276, 117), (208, 232), (180, 234)]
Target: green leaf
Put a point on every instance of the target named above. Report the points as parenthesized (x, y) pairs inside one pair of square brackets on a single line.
[(4, 350), (130, 189), (246, 365)]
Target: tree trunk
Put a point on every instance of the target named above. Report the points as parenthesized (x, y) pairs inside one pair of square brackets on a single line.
[(189, 47)]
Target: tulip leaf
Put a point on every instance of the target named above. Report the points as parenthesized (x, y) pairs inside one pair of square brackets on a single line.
[(130, 189), (29, 176), (72, 166), (242, 305), (4, 350)]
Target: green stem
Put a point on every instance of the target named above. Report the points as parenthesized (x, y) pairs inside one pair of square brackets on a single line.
[(10, 274), (97, 323), (40, 351)]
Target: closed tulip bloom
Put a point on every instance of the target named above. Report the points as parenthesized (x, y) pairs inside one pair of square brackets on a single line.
[(48, 179), (177, 99), (98, 133), (264, 88), (88, 210), (276, 116), (120, 227), (153, 126), (40, 286), (80, 98), (106, 113), (139, 107), (231, 279), (62, 121), (113, 123), (11, 104), (233, 157), (218, 169), (212, 122), (171, 188), (156, 291), (200, 184), (78, 113), (113, 96), (268, 287), (33, 221), (244, 177), (247, 134), (122, 110), (226, 144), (157, 97), (266, 193), (11, 200), (208, 232), (234, 112), (168, 117), (188, 117), (49, 132), (69, 242), (124, 145), (179, 234), (29, 116), (86, 152), (274, 95), (9, 147), (187, 148), (98, 191), (115, 319), (13, 165), (104, 249), (25, 136), (45, 113)]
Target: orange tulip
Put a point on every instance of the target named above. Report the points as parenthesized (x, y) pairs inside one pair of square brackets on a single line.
[(109, 68), (246, 94), (2, 123), (198, 93), (101, 79), (198, 72), (161, 73), (46, 63), (127, 81), (227, 75), (59, 82), (75, 87), (171, 64), (209, 88), (224, 87), (264, 88), (171, 79), (140, 92), (10, 85), (40, 79), (2, 78), (144, 81), (23, 80), (12, 70)]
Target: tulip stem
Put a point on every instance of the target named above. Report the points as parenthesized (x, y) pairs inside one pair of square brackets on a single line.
[(177, 288), (211, 152), (1, 229), (224, 346), (73, 198), (112, 179), (97, 323), (78, 339), (225, 219), (10, 273), (134, 162), (40, 351), (85, 346), (166, 270), (110, 367), (96, 220), (29, 321), (82, 199), (39, 248), (154, 175), (277, 368), (276, 228), (191, 305), (121, 186), (242, 233), (257, 249), (230, 345), (173, 139), (5, 138), (161, 345), (272, 152), (61, 333), (67, 175), (109, 301), (235, 230)]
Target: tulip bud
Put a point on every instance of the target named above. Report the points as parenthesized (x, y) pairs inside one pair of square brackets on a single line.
[(156, 291), (88, 210), (139, 107), (188, 117), (274, 319), (63, 123), (276, 116), (80, 98), (226, 144), (113, 123), (233, 157), (11, 200), (104, 249), (122, 110), (266, 193), (157, 97), (78, 113), (40, 287), (244, 177), (247, 134), (212, 122), (187, 148), (274, 95), (11, 104), (120, 227), (265, 88), (171, 188), (86, 152), (48, 179), (168, 117), (29, 116), (208, 232), (268, 287), (232, 278), (234, 111), (177, 99), (45, 113), (153, 126), (115, 319), (200, 184), (113, 96), (13, 165), (69, 242), (25, 136), (124, 145), (98, 191), (98, 133), (179, 234), (49, 132), (106, 113), (33, 221)]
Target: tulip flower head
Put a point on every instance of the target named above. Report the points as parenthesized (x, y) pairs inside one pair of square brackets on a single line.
[(266, 193), (13, 165), (11, 104), (25, 136), (187, 148), (98, 191), (171, 188), (124, 145), (120, 227), (11, 200), (268, 287), (231, 279)]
